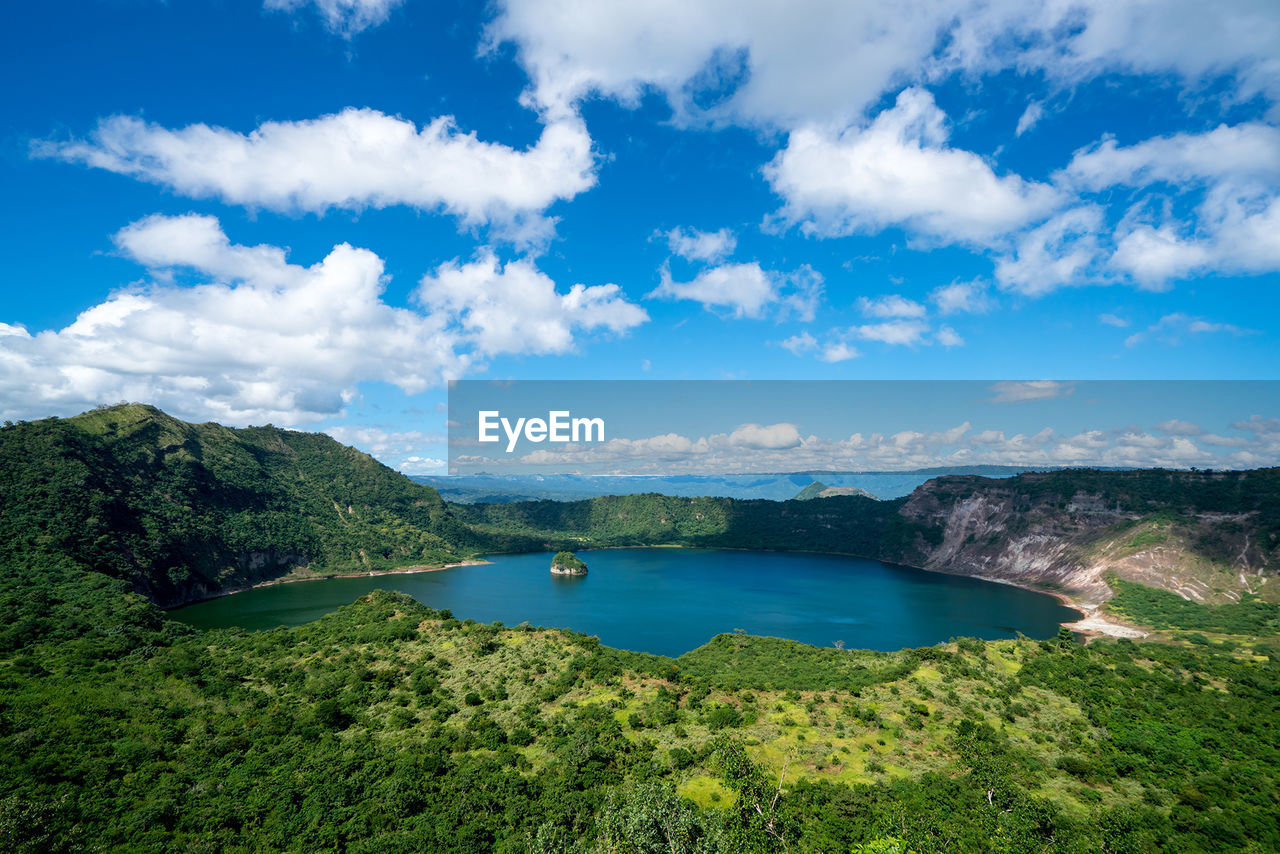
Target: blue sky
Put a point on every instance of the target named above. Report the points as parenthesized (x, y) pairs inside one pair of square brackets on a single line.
[(314, 212)]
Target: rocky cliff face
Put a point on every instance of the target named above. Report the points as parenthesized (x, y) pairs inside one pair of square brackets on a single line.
[(1070, 541)]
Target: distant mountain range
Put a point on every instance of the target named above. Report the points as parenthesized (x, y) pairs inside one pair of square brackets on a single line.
[(506, 488)]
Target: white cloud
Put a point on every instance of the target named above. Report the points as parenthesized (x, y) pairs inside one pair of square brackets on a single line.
[(838, 351), (385, 444), (761, 62), (772, 437), (420, 465), (958, 297), (753, 448), (1153, 256), (515, 308), (406, 450), (1059, 252), (1082, 39), (266, 340), (800, 294), (1259, 424), (1020, 391), (891, 305), (694, 245), (356, 159), (1235, 231), (948, 337), (747, 60), (1172, 329), (344, 17), (797, 344), (1235, 227), (1029, 118), (898, 171), (907, 333), (748, 290), (1177, 427), (744, 288), (1113, 320), (1243, 152), (263, 340)]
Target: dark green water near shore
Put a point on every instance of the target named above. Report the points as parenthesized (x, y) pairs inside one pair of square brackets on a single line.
[(669, 601)]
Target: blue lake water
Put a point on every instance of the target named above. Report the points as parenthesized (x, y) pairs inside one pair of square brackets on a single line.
[(669, 601)]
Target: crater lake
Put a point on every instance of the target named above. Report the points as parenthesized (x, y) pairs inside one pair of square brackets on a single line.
[(669, 601)]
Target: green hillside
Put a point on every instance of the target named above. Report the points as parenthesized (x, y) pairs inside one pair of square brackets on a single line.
[(181, 511), (841, 524)]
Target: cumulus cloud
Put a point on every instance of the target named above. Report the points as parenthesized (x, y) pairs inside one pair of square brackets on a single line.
[(1233, 228), (1153, 256), (355, 159), (1054, 254), (262, 339), (772, 437), (748, 290), (899, 171), (838, 351), (515, 308), (759, 62), (961, 297), (891, 305), (814, 70), (904, 326), (1234, 232), (1178, 427), (343, 17), (949, 338), (708, 246), (907, 333), (1244, 152), (797, 344)]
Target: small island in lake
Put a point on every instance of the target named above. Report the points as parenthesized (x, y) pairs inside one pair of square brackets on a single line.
[(567, 563)]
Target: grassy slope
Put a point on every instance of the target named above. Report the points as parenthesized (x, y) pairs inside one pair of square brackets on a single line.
[(387, 726), (182, 510)]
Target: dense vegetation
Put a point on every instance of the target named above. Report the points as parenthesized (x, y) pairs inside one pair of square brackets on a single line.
[(183, 510), (843, 524), (390, 727), (568, 562), (1164, 610)]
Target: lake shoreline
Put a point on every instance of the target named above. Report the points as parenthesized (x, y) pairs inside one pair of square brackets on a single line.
[(372, 573), (1091, 624)]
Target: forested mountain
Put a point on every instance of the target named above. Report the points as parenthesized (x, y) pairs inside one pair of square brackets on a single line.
[(181, 511)]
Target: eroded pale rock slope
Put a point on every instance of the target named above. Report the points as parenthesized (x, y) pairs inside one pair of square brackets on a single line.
[(1004, 531)]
